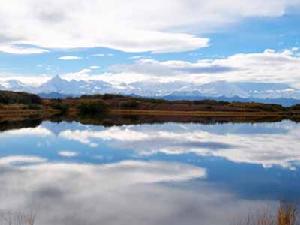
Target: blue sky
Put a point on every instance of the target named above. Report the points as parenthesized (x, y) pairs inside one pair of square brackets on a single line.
[(105, 35)]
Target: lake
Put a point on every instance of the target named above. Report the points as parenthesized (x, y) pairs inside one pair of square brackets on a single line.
[(152, 174)]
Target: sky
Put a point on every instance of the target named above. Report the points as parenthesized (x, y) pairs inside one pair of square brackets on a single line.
[(120, 41)]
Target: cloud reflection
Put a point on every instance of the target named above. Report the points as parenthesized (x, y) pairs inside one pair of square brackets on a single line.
[(266, 149), (129, 192), (20, 160), (38, 131)]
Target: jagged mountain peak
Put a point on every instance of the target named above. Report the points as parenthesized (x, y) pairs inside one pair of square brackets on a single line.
[(58, 86), (57, 78)]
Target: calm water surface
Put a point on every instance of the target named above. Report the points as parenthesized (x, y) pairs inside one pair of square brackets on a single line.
[(69, 173)]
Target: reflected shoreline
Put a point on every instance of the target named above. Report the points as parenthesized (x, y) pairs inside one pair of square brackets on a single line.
[(120, 120)]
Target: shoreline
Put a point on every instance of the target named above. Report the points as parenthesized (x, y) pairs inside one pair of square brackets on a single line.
[(197, 113), (119, 117)]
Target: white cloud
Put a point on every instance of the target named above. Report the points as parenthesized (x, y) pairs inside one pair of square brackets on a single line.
[(69, 57), (12, 49), (103, 55), (68, 154), (33, 80), (135, 26), (135, 57), (99, 55), (270, 66), (94, 67), (267, 66), (163, 77)]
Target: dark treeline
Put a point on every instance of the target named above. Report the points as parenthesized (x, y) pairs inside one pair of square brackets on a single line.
[(8, 97), (18, 105), (138, 103)]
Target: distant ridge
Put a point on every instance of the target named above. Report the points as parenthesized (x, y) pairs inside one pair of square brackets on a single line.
[(272, 93), (281, 101)]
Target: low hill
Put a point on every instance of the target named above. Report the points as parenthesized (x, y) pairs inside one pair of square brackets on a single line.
[(8, 97)]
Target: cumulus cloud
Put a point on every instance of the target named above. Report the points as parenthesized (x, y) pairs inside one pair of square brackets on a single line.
[(94, 67), (99, 55), (267, 66), (163, 77), (21, 50), (31, 79), (103, 55), (174, 25), (69, 57), (68, 154)]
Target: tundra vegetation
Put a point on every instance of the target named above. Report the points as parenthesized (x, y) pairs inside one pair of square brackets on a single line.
[(286, 214), (17, 218), (16, 106)]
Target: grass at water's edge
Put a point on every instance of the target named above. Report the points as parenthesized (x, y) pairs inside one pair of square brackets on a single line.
[(286, 214)]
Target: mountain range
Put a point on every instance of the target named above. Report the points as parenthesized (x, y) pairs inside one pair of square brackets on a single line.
[(57, 87)]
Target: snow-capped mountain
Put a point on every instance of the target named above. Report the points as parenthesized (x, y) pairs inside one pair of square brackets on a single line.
[(14, 85), (248, 90), (61, 86), (155, 89), (73, 87), (241, 91), (171, 90)]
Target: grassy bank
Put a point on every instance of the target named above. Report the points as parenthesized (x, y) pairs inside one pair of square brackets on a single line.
[(20, 106)]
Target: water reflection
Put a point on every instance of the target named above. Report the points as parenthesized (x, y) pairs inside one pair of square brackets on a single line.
[(263, 144), (148, 174), (121, 193)]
